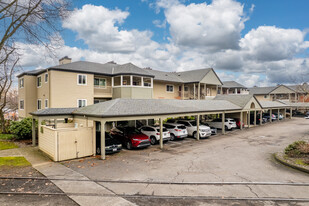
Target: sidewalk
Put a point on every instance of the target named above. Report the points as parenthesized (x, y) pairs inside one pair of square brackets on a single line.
[(82, 192)]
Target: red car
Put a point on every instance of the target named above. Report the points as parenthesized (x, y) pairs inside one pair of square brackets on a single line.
[(238, 123), (130, 137)]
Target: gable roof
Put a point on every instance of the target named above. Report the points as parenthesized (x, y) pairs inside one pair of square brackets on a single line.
[(232, 84), (260, 90), (272, 104), (240, 100)]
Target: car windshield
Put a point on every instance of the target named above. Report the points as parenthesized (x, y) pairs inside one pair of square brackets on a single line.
[(132, 130), (181, 127), (164, 130), (193, 123)]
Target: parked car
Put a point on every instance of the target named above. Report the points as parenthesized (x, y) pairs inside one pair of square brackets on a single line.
[(153, 132), (229, 123), (267, 117), (297, 113), (213, 130), (177, 131), (258, 119), (192, 128), (280, 116), (112, 145), (130, 137)]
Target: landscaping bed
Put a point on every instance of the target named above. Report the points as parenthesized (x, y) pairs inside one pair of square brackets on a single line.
[(296, 155)]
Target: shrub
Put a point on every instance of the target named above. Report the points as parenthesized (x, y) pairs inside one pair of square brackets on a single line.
[(297, 148), (22, 129)]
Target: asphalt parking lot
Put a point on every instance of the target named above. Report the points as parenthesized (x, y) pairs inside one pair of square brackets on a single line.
[(236, 165)]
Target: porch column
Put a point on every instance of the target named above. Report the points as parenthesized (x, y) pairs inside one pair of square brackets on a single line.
[(291, 113), (216, 90), (121, 80), (270, 115), (254, 117), (199, 91), (103, 140), (205, 89), (198, 127), (223, 121), (261, 117), (221, 90), (227, 91), (112, 81), (183, 91), (248, 119), (194, 91), (161, 133), (241, 120), (55, 123), (131, 80), (142, 82), (235, 90), (33, 133), (278, 114)]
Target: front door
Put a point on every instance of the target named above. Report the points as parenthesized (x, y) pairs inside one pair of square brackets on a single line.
[(98, 137)]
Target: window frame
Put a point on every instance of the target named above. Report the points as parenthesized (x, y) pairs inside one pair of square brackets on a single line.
[(81, 84), (99, 86), (37, 106), (171, 85), (46, 101), (37, 81), (46, 79), (22, 100), (21, 83), (81, 100)]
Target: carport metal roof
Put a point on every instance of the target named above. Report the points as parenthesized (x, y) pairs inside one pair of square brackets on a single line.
[(240, 100), (272, 104)]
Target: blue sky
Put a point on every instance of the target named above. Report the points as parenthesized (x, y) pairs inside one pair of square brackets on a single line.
[(255, 42)]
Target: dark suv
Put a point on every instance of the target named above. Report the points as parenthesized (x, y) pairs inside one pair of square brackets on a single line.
[(130, 137)]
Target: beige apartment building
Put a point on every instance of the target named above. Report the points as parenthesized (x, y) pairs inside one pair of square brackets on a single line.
[(78, 84)]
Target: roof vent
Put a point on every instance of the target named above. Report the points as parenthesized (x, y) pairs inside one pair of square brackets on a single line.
[(65, 60)]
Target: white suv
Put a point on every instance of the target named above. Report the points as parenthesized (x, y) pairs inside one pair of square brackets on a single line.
[(229, 123), (192, 128), (153, 132), (178, 131)]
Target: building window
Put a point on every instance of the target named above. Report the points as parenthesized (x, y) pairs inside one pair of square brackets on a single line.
[(39, 81), (100, 82), (169, 88), (39, 104), (96, 101), (186, 89), (46, 103), (81, 103), (46, 78), (21, 83), (21, 104), (81, 79), (147, 82)]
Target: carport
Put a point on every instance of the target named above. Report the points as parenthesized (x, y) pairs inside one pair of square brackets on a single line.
[(248, 104), (276, 107), (134, 109)]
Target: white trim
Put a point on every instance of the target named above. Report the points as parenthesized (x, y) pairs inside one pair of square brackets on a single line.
[(169, 85), (85, 79), (45, 77), (131, 80), (121, 79), (19, 104), (81, 100), (112, 81), (38, 81), (37, 104), (45, 104)]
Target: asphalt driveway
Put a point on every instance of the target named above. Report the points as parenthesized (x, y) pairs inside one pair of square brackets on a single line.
[(238, 159)]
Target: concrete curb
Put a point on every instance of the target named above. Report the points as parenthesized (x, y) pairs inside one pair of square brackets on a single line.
[(279, 158)]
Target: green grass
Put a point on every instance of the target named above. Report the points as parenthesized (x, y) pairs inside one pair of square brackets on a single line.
[(13, 161), (300, 162), (7, 145), (6, 136)]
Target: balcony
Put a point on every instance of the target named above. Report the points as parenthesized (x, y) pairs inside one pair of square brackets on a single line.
[(101, 92)]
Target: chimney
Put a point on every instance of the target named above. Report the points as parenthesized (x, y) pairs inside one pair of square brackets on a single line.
[(65, 60)]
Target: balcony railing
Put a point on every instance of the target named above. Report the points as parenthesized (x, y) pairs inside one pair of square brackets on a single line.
[(104, 91)]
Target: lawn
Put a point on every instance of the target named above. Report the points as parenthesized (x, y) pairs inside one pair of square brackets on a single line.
[(6, 136), (7, 145), (13, 161)]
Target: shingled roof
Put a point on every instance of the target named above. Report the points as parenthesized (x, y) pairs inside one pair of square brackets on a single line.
[(54, 112), (240, 100), (232, 84)]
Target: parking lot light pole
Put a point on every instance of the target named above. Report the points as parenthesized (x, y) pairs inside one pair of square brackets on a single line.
[(161, 133), (197, 127), (223, 121), (103, 140)]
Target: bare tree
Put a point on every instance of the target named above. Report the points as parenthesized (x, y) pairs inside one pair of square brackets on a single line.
[(26, 21)]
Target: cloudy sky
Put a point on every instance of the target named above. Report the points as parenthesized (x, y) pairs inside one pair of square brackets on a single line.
[(255, 42)]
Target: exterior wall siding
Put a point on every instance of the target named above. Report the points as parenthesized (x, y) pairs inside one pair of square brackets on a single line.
[(132, 93), (47, 141), (159, 90)]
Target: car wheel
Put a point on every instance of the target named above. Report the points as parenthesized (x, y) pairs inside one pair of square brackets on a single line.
[(129, 145), (194, 135), (226, 128), (153, 140), (172, 137)]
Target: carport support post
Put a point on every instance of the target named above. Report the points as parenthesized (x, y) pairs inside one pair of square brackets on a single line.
[(284, 113), (248, 119), (223, 121), (103, 140), (291, 113), (33, 133), (161, 133), (270, 115), (261, 117), (278, 114), (198, 127), (241, 119), (254, 117)]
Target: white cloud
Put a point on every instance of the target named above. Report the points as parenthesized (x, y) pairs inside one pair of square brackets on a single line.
[(211, 27)]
